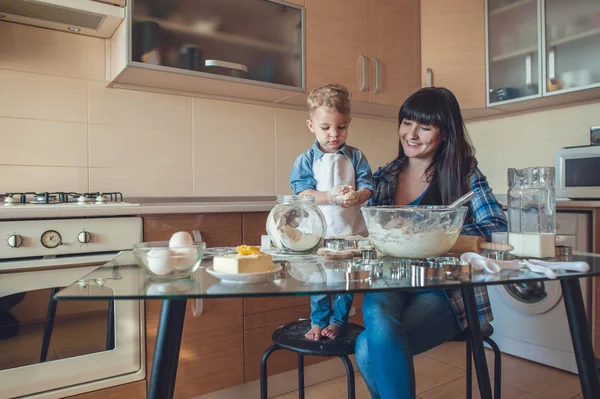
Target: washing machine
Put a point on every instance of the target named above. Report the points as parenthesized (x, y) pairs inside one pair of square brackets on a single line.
[(530, 320)]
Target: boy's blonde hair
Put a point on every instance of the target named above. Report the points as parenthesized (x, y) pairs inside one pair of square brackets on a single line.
[(334, 97)]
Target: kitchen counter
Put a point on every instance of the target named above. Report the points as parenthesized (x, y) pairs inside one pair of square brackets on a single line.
[(173, 206)]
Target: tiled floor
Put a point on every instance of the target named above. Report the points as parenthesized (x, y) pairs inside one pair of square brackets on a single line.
[(441, 375)]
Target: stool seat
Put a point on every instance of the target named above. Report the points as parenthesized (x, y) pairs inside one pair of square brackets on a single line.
[(291, 337), (486, 331)]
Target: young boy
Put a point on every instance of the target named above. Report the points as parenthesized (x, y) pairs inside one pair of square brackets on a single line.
[(340, 178)]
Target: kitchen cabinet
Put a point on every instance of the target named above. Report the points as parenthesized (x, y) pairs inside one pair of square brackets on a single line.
[(243, 49), (211, 356), (453, 49), (394, 50), (370, 46), (542, 53), (254, 225)]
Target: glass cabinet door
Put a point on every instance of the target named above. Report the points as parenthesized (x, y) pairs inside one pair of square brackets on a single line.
[(257, 40), (572, 44), (513, 43)]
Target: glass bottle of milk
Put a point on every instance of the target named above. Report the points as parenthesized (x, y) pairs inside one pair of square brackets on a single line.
[(532, 212)]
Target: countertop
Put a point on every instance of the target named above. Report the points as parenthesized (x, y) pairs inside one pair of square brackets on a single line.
[(179, 205), (139, 206)]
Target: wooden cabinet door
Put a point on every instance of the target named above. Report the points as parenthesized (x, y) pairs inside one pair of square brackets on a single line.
[(453, 47), (254, 225), (336, 37), (217, 229), (211, 356), (394, 50)]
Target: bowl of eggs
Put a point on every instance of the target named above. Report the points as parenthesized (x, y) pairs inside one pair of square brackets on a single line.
[(177, 258)]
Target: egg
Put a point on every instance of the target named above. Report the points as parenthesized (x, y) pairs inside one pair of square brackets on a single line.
[(160, 261), (185, 258), (181, 239)]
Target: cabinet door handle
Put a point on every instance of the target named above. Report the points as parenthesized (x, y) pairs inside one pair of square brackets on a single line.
[(377, 75), (365, 69), (528, 81), (197, 235), (429, 77), (552, 63)]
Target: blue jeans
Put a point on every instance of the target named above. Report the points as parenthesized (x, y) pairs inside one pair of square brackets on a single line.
[(399, 325), (322, 313)]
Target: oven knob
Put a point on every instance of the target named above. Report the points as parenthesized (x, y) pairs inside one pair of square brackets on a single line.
[(15, 241), (84, 237)]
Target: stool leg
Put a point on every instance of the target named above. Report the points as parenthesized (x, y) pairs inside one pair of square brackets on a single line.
[(350, 373), (469, 372), (497, 368), (263, 371), (300, 376)]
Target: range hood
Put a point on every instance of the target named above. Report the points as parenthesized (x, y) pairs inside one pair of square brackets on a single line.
[(86, 17)]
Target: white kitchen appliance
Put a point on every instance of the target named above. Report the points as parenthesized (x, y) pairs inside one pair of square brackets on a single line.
[(530, 320), (54, 349), (87, 17), (576, 169)]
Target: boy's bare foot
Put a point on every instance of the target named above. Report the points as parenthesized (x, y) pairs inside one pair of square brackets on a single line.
[(331, 331), (314, 333)]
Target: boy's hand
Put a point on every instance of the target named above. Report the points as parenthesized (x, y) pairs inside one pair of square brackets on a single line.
[(344, 196)]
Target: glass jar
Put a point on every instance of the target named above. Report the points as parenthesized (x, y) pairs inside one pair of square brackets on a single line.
[(296, 224), (532, 212)]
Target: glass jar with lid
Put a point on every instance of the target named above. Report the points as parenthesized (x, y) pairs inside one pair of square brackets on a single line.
[(296, 224), (532, 211)]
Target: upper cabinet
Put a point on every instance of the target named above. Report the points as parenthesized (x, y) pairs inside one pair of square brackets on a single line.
[(453, 49), (250, 49), (370, 46), (572, 45), (543, 51), (514, 56)]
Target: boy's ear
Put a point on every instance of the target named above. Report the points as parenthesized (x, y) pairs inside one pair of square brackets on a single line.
[(310, 125)]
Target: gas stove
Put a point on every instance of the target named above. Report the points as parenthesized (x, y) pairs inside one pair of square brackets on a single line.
[(62, 199)]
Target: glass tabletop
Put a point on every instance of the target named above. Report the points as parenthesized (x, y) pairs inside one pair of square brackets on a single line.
[(122, 278)]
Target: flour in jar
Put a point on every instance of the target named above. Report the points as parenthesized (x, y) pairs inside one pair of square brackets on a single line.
[(404, 243), (289, 236)]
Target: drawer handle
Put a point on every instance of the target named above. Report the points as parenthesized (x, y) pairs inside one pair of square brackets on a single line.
[(377, 75), (365, 76)]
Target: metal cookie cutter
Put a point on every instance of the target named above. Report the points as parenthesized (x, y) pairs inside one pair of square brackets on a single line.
[(400, 268), (564, 252)]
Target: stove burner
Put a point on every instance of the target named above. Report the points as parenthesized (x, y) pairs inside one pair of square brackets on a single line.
[(34, 198)]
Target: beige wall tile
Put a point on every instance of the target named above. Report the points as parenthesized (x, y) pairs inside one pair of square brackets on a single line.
[(138, 108), (43, 178), (134, 147), (529, 139), (292, 139), (33, 96), (29, 49), (96, 58), (143, 182), (377, 139), (234, 149), (35, 142)]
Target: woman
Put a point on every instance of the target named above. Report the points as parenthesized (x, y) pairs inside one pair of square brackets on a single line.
[(435, 166)]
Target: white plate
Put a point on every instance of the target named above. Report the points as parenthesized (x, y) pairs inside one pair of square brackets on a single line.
[(244, 278)]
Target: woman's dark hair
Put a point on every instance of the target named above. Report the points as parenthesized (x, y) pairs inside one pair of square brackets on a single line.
[(449, 171)]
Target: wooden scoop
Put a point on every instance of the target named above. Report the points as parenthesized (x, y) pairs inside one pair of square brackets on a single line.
[(477, 244)]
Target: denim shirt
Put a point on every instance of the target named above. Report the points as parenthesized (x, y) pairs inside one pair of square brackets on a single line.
[(302, 177)]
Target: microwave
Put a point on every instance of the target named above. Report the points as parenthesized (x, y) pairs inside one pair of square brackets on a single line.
[(578, 172)]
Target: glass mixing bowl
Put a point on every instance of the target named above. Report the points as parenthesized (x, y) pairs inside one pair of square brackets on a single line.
[(413, 231), (163, 262)]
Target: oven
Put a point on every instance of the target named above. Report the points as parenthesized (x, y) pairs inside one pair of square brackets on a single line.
[(51, 349)]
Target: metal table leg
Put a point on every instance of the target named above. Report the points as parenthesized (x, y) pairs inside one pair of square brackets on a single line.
[(166, 351), (580, 335), (483, 376), (48, 325)]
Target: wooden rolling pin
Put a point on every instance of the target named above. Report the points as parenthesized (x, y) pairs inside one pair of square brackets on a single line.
[(477, 244)]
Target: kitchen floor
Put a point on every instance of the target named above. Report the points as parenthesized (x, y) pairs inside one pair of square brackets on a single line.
[(441, 375)]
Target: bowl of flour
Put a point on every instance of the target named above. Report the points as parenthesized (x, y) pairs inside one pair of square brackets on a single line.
[(413, 231)]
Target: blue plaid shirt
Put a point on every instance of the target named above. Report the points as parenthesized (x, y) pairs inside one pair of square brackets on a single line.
[(484, 217)]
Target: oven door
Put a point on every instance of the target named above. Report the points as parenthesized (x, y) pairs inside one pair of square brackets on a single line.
[(53, 349)]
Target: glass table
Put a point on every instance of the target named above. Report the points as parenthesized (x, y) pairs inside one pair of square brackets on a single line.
[(122, 279)]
